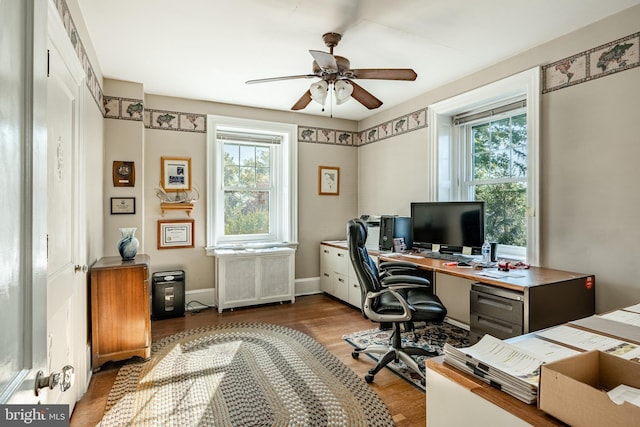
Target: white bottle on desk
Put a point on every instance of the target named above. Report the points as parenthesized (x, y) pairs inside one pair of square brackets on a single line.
[(486, 252)]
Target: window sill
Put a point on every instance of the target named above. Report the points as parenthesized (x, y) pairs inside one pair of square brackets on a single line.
[(250, 247)]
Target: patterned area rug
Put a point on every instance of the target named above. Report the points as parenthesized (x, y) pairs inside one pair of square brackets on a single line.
[(242, 374), (432, 338)]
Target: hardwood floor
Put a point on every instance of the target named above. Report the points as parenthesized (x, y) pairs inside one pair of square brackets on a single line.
[(319, 316)]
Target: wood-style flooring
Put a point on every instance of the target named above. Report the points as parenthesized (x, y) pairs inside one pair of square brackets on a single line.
[(319, 316)]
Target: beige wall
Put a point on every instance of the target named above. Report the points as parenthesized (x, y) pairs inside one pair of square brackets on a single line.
[(320, 217), (124, 141), (589, 163), (589, 148)]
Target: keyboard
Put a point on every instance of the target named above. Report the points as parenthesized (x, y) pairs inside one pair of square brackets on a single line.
[(447, 257)]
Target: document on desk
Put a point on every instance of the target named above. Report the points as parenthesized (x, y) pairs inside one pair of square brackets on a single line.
[(623, 316), (586, 340), (494, 274), (504, 366), (545, 350), (634, 308)]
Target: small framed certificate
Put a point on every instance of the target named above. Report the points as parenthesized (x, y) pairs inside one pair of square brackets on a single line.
[(174, 234), (123, 205)]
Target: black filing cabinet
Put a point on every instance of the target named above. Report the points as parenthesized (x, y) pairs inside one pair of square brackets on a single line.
[(495, 311), (167, 294)]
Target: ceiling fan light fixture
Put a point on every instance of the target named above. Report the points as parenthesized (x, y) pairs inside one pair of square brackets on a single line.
[(343, 91), (318, 91)]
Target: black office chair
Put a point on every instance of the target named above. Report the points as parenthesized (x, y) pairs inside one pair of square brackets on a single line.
[(391, 297)]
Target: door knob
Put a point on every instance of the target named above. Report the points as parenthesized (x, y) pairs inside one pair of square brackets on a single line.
[(81, 268), (62, 379)]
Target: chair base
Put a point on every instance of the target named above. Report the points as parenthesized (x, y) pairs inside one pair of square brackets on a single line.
[(394, 352)]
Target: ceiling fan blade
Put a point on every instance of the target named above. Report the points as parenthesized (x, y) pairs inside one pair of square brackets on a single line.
[(325, 61), (364, 97), (304, 100), (275, 79), (385, 73)]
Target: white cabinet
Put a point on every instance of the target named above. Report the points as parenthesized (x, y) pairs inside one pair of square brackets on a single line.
[(251, 277), (337, 276)]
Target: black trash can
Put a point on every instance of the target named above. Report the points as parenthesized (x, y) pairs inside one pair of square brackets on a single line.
[(167, 294)]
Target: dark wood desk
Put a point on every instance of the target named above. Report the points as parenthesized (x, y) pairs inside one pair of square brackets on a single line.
[(509, 306)]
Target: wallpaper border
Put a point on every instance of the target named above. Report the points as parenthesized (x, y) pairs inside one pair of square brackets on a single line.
[(604, 60)]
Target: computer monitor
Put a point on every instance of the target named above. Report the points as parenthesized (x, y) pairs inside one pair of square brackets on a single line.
[(451, 225)]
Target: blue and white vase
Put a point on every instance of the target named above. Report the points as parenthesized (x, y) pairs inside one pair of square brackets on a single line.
[(128, 244)]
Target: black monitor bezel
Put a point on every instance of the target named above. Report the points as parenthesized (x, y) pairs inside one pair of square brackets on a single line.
[(450, 247)]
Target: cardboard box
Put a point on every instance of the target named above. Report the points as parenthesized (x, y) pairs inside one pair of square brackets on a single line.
[(574, 390)]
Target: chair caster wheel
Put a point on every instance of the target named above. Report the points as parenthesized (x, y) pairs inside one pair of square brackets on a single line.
[(423, 382), (368, 378), (355, 355)]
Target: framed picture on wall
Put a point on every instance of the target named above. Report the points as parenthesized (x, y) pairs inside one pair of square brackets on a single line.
[(123, 205), (176, 233), (328, 180), (124, 174), (176, 173)]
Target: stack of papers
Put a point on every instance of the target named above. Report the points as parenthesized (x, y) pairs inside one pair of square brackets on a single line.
[(513, 370)]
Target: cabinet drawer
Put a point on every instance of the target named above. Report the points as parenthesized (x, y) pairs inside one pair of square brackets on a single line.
[(341, 261), (505, 309), (481, 324)]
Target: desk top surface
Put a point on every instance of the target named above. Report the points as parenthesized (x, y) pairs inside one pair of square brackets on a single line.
[(515, 279)]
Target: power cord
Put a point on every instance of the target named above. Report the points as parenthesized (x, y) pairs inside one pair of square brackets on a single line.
[(201, 306)]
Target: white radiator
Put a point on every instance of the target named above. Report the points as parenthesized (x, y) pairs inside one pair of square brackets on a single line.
[(250, 277)]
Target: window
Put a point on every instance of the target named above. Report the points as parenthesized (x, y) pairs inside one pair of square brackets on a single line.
[(252, 189), (484, 146), (495, 170)]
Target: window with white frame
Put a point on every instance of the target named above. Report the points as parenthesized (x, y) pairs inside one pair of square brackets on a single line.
[(494, 169), (252, 188), (484, 146)]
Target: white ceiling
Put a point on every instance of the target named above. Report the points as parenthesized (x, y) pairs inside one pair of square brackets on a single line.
[(207, 49)]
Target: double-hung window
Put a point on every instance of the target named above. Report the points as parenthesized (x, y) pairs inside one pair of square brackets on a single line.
[(484, 145), (494, 169), (252, 183)]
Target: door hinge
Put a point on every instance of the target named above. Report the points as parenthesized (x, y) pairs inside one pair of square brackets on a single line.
[(48, 55)]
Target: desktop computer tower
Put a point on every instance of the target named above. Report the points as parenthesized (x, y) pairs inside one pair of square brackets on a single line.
[(391, 227)]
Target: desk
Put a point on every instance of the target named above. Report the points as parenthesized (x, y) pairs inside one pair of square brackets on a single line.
[(507, 306), (450, 388)]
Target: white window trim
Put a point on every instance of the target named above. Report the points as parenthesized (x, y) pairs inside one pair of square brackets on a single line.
[(440, 136), (286, 213)]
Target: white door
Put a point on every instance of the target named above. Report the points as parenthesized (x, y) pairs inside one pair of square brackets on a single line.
[(66, 271), (23, 214)]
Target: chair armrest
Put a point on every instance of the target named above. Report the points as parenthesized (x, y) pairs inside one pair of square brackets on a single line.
[(404, 265), (404, 279), (376, 317)]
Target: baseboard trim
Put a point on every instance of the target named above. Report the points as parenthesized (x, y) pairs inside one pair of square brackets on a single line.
[(457, 323), (200, 298), (206, 298), (307, 286)]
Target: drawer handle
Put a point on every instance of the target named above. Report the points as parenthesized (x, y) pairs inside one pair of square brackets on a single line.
[(340, 254), (326, 275), (494, 325), (498, 304), (341, 280)]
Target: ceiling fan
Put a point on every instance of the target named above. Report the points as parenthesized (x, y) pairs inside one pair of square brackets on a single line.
[(336, 71)]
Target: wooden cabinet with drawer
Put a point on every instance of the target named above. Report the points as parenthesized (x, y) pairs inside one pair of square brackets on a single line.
[(120, 318)]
